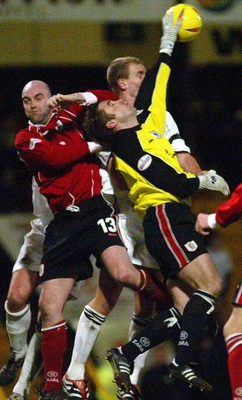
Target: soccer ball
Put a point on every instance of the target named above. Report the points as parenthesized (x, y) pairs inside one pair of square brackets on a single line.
[(191, 21)]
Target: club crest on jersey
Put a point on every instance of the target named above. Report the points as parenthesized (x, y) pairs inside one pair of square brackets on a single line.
[(144, 162), (157, 135), (191, 246)]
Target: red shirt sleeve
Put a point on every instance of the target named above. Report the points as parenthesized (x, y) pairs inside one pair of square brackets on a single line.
[(41, 151), (104, 95), (231, 210)]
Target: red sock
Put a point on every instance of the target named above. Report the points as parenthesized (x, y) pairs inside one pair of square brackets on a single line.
[(150, 289), (54, 341), (234, 349)]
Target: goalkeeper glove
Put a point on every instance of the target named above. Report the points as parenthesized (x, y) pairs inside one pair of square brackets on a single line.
[(169, 32), (213, 181)]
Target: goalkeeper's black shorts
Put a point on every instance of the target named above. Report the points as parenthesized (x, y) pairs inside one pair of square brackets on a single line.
[(171, 238)]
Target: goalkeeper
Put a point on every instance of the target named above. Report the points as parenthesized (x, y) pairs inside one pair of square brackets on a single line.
[(160, 190)]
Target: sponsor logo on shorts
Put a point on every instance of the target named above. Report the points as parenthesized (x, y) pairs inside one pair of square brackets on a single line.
[(144, 162), (41, 269), (191, 246)]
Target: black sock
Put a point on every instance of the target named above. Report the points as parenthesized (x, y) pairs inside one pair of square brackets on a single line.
[(194, 320), (164, 326)]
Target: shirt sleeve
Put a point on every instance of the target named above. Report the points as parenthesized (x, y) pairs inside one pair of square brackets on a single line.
[(103, 95), (145, 93), (231, 210), (173, 135), (39, 151)]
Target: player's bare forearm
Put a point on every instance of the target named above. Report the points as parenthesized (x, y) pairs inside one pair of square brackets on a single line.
[(189, 163), (65, 100)]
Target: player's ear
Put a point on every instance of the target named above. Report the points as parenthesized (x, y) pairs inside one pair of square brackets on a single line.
[(111, 124), (122, 83)]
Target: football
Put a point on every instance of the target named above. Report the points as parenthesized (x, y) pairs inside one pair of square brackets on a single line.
[(191, 21)]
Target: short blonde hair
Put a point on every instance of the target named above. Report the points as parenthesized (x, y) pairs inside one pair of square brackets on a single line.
[(119, 68)]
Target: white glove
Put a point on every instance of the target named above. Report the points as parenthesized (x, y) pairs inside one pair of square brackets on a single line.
[(213, 181), (170, 31)]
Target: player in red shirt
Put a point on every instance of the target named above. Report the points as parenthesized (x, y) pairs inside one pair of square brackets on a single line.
[(68, 174), (224, 215)]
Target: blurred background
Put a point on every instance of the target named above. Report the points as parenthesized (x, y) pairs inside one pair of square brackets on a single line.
[(69, 44)]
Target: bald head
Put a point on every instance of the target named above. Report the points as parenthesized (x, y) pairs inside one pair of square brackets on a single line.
[(36, 85), (35, 95)]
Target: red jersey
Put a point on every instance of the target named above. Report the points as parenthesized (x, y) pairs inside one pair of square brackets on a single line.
[(231, 210), (66, 170)]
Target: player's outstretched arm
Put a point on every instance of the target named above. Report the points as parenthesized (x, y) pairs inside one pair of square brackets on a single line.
[(170, 32), (65, 100)]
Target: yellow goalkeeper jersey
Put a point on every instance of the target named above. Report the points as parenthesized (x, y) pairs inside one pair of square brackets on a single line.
[(147, 160)]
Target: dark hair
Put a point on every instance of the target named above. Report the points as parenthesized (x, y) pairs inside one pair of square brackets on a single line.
[(94, 125)]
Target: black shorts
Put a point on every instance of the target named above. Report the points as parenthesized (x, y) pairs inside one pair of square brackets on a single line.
[(72, 237), (171, 238)]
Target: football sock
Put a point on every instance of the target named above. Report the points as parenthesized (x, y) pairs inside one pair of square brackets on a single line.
[(234, 349), (162, 327), (17, 325), (150, 289), (89, 326), (54, 341), (136, 324), (31, 367), (194, 320)]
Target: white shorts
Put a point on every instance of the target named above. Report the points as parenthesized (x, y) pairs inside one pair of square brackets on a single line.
[(132, 233), (31, 251)]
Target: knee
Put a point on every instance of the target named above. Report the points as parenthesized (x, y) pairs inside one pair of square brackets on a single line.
[(216, 286), (213, 285), (124, 277), (46, 310), (50, 311), (16, 301)]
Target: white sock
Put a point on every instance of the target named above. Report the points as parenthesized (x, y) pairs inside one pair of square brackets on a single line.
[(17, 325), (136, 325), (88, 328), (31, 367)]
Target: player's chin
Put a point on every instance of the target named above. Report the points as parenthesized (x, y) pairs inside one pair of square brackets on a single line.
[(36, 121)]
